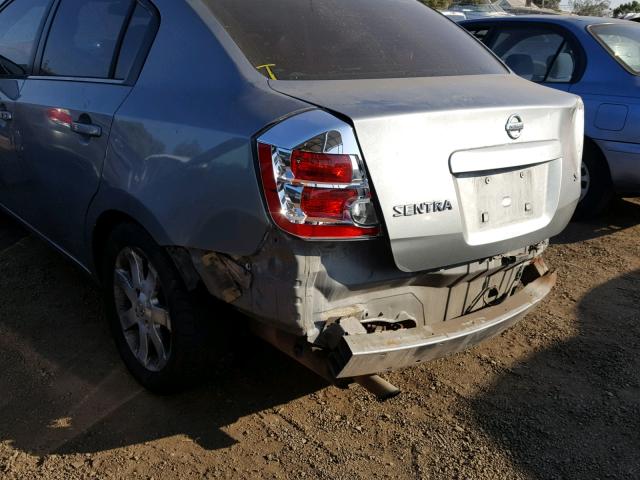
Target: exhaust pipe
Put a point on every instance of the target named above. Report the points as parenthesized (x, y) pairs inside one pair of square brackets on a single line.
[(378, 386)]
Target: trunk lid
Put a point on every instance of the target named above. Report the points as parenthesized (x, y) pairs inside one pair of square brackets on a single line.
[(456, 178)]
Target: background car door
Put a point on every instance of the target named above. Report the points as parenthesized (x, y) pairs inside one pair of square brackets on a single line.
[(20, 25), (65, 112), (539, 53)]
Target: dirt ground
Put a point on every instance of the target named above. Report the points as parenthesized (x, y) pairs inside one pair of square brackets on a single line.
[(558, 396)]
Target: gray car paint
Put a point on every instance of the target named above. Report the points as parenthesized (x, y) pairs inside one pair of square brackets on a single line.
[(180, 161), (411, 129), (9, 173), (181, 157), (60, 169), (189, 140)]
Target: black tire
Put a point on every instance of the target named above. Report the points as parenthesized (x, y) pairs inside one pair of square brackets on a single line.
[(600, 188), (190, 333)]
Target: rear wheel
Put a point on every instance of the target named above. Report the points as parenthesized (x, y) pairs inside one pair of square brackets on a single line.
[(596, 189), (156, 325)]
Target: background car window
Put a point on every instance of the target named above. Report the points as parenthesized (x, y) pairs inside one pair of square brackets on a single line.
[(84, 37), (19, 25), (528, 52), (133, 40), (335, 39), (622, 42), (563, 66)]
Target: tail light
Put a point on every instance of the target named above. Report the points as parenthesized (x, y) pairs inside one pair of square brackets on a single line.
[(316, 188)]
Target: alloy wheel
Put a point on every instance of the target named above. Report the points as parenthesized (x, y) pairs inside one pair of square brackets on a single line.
[(585, 181), (141, 307)]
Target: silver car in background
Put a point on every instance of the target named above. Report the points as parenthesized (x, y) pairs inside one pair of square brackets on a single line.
[(475, 9), (363, 178)]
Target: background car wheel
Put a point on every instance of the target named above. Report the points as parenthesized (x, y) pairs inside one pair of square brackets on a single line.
[(595, 182), (156, 323)]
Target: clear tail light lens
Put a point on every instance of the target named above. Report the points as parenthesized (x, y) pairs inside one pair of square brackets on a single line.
[(316, 192)]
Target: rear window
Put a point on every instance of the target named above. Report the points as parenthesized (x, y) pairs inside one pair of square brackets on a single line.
[(622, 41), (355, 39)]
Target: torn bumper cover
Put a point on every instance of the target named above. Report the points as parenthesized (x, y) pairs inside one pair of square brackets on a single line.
[(364, 354), (344, 310)]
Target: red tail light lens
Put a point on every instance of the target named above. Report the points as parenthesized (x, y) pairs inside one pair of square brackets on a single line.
[(321, 167), (317, 195)]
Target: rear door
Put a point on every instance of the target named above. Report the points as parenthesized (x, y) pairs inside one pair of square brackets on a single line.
[(65, 110), (20, 25)]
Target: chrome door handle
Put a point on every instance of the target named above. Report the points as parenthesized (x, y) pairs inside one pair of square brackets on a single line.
[(5, 115), (88, 129)]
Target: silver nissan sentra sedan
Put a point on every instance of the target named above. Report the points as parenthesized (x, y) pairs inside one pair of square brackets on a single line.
[(362, 178)]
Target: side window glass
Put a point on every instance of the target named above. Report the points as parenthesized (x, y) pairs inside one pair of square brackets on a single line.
[(528, 52), (563, 66), (84, 37), (133, 41), (19, 25)]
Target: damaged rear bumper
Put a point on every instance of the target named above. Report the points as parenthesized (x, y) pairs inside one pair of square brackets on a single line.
[(365, 354), (344, 310)]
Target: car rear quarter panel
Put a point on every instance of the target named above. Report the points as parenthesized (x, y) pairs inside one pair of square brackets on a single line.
[(612, 113), (180, 158), (614, 124)]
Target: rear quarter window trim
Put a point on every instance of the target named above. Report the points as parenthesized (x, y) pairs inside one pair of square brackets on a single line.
[(123, 30)]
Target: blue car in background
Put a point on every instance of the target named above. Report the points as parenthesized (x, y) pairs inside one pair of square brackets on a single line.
[(598, 59)]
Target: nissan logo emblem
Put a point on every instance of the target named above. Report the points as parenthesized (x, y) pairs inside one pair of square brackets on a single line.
[(514, 126)]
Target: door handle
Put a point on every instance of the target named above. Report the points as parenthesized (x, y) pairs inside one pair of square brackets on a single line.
[(5, 115), (88, 129)]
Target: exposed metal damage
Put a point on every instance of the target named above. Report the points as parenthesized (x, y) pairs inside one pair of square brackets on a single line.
[(313, 307), (224, 275)]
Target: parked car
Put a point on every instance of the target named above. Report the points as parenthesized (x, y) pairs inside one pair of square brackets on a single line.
[(634, 17), (373, 192), (455, 16), (477, 9), (598, 59)]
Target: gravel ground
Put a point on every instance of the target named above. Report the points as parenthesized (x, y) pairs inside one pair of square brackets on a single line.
[(558, 396)]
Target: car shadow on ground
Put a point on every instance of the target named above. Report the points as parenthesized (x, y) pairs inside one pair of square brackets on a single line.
[(63, 388), (573, 411), (10, 232), (622, 214)]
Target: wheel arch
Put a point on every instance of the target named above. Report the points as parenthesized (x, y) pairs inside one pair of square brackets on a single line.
[(104, 215), (592, 146)]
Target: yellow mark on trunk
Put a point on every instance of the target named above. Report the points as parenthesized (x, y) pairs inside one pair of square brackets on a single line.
[(267, 67)]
